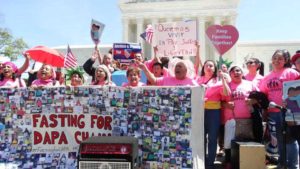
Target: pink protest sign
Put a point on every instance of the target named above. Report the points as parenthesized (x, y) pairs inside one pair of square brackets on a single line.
[(222, 37), (175, 38)]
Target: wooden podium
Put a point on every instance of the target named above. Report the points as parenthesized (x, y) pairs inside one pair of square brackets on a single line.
[(248, 155)]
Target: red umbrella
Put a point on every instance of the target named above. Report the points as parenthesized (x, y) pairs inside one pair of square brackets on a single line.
[(46, 55)]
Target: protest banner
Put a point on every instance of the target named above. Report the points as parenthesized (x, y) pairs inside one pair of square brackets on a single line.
[(42, 128), (125, 52), (176, 38)]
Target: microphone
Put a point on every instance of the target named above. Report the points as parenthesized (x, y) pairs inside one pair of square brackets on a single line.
[(274, 105)]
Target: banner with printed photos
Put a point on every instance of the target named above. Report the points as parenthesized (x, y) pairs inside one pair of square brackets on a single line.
[(43, 128)]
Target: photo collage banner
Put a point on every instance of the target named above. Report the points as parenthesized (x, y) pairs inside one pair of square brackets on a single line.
[(42, 128)]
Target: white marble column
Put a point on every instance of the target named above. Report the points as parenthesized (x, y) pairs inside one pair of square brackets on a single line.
[(232, 20), (125, 29), (217, 21), (169, 19), (201, 37), (139, 29), (154, 21), (232, 52)]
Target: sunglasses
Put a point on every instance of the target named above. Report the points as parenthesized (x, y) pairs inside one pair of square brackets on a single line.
[(250, 63)]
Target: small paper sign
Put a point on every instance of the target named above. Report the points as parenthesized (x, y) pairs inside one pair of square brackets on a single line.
[(96, 31)]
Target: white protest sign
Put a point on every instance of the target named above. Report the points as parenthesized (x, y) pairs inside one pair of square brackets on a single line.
[(176, 38), (96, 31)]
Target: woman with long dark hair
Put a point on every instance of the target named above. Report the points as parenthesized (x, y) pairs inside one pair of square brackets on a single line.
[(272, 86), (255, 71), (214, 92)]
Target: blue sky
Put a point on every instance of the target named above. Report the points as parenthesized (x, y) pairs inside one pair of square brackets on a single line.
[(61, 22)]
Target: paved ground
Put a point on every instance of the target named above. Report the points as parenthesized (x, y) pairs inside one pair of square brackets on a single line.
[(220, 159)]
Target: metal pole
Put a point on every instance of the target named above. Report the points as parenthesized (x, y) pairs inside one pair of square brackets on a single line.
[(284, 126)]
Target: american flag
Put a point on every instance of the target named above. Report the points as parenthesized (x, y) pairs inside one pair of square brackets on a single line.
[(70, 59), (148, 34)]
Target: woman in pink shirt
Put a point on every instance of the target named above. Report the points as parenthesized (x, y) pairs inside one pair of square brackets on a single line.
[(272, 86), (133, 77), (238, 106), (9, 76), (254, 65), (212, 113), (182, 73), (46, 77), (102, 76)]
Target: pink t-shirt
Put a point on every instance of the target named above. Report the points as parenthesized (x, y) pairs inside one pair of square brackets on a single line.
[(256, 79), (214, 88), (172, 81), (126, 84), (272, 85), (12, 83), (239, 95), (49, 82)]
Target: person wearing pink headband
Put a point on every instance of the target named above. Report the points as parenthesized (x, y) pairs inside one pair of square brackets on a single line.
[(20, 70), (9, 77), (46, 77), (11, 65)]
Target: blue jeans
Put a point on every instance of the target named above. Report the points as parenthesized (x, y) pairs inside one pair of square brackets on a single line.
[(212, 124), (291, 147)]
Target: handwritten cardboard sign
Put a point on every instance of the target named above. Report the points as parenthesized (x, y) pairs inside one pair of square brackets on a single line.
[(176, 38), (222, 37)]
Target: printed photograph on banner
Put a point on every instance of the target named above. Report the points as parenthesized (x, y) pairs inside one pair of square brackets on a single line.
[(46, 126), (291, 95), (175, 38)]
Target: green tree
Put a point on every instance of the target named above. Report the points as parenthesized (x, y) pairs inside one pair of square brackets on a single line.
[(10, 46)]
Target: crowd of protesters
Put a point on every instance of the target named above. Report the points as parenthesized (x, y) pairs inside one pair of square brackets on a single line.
[(226, 95)]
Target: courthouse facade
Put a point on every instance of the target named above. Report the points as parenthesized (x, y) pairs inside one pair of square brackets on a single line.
[(137, 14)]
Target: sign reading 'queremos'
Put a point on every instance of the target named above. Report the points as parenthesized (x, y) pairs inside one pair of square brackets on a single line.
[(176, 38)]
